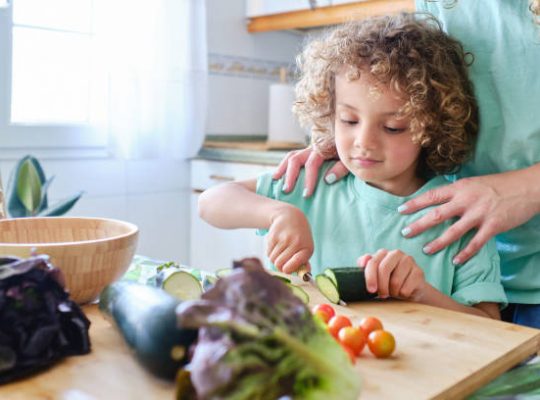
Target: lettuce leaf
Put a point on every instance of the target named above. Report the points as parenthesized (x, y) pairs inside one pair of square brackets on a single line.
[(257, 340)]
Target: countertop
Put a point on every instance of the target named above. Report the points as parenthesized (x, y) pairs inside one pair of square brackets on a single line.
[(440, 354), (245, 149)]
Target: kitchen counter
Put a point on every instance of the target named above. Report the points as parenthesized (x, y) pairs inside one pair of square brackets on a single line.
[(245, 149)]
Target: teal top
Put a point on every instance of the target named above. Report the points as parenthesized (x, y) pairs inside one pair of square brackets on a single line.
[(505, 44), (351, 218)]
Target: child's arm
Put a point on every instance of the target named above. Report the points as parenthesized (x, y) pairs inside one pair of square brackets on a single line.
[(396, 274), (237, 205)]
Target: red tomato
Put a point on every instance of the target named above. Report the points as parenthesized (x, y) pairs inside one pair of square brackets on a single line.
[(381, 343), (350, 353), (353, 338), (323, 311), (370, 324), (336, 323)]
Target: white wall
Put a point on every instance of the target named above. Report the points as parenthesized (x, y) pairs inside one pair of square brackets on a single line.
[(241, 68), (154, 194)]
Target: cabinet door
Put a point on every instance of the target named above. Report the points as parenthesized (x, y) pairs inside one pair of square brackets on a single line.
[(212, 248), (256, 8)]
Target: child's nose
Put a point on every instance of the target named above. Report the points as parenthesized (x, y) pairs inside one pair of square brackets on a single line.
[(365, 136)]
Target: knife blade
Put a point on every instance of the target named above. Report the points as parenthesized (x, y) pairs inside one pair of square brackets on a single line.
[(306, 276)]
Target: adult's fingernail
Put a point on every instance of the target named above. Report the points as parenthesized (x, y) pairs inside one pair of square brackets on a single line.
[(284, 188), (405, 231), (330, 178), (456, 261), (305, 193), (427, 249), (402, 208)]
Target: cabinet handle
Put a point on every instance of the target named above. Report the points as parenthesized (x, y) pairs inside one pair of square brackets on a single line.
[(222, 178)]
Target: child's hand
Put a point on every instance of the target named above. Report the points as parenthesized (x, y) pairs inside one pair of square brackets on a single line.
[(393, 274), (289, 243)]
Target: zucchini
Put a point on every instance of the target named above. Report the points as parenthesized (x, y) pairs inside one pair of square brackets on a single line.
[(146, 318), (349, 284)]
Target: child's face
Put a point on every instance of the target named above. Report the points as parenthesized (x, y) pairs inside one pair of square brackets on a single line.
[(372, 141)]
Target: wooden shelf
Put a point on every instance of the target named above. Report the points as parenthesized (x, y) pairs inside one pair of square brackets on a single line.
[(328, 15)]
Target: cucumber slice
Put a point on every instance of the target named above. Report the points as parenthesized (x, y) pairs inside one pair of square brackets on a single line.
[(182, 285), (330, 273), (327, 288), (209, 281), (282, 278), (220, 273), (299, 292)]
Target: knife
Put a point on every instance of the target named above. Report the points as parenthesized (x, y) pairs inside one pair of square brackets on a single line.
[(306, 276)]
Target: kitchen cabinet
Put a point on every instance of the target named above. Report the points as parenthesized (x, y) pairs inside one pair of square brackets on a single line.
[(259, 8), (212, 248), (271, 15)]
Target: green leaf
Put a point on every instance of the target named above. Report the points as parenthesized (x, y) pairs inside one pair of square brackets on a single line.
[(44, 203), (61, 207), (29, 186)]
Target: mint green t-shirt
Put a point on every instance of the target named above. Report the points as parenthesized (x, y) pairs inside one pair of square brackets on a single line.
[(505, 44), (351, 218)]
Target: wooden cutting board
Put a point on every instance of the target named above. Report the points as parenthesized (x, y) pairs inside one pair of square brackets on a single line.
[(440, 354)]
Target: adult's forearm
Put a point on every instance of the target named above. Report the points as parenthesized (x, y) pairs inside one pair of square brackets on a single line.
[(233, 205)]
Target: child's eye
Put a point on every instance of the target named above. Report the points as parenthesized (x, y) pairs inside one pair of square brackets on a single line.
[(348, 121), (394, 130)]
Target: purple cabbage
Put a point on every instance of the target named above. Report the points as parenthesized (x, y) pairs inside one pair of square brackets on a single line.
[(39, 324)]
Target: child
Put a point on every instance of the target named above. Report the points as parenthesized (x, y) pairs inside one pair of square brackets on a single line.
[(392, 95)]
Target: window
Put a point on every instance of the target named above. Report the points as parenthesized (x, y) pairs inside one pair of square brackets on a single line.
[(46, 75)]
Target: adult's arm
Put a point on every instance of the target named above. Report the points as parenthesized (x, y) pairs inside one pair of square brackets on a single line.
[(490, 203), (312, 161)]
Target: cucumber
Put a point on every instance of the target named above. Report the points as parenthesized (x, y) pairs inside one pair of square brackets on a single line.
[(350, 283), (146, 318), (299, 292)]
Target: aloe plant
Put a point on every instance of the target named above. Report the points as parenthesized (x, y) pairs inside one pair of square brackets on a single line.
[(26, 192)]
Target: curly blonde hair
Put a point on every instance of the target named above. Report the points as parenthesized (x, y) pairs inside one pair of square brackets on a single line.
[(412, 55)]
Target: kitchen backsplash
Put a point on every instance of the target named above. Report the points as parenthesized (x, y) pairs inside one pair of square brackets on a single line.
[(243, 67)]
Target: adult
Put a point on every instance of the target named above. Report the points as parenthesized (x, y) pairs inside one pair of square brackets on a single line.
[(497, 193)]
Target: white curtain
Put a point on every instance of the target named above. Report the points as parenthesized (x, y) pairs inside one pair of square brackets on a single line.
[(150, 91)]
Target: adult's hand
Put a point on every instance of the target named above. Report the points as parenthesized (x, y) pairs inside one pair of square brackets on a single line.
[(491, 203), (292, 163)]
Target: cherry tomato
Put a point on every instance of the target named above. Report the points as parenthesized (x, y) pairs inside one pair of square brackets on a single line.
[(323, 311), (370, 324), (353, 338), (336, 323), (350, 353), (381, 343)]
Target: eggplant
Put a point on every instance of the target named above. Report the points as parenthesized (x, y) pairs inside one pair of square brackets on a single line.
[(146, 318)]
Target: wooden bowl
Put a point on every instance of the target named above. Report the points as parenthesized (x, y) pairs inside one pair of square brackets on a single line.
[(91, 252)]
